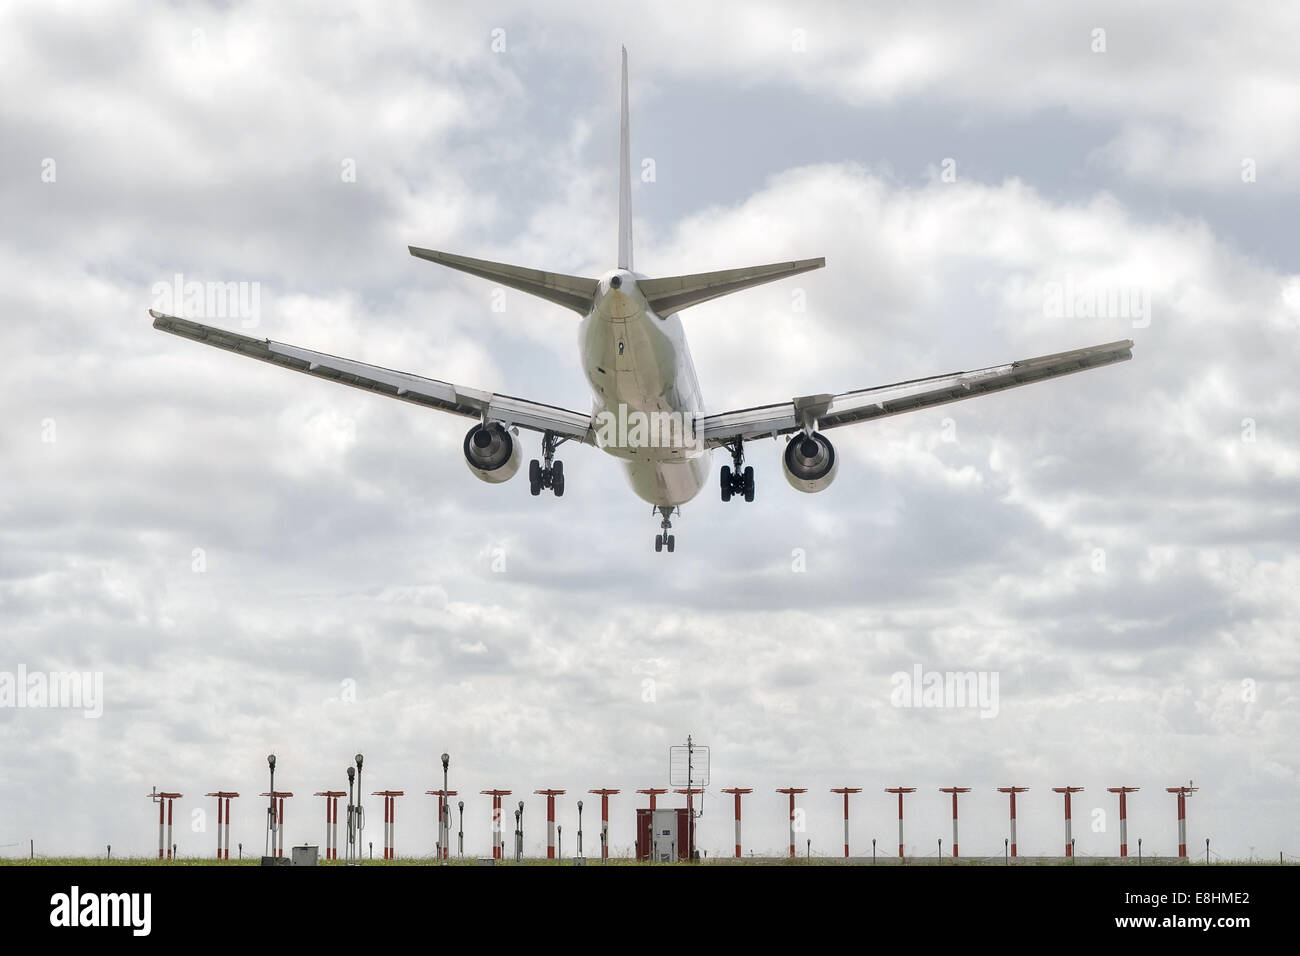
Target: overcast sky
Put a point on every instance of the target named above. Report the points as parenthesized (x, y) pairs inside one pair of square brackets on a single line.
[(259, 562)]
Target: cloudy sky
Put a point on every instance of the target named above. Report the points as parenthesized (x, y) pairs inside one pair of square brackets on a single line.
[(258, 562)]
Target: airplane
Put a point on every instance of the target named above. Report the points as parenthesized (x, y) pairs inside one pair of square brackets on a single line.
[(648, 409)]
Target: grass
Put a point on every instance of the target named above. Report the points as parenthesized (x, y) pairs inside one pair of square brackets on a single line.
[(724, 861)]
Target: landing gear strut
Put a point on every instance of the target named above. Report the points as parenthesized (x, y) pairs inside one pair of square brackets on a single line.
[(547, 473), (664, 539), (733, 480)]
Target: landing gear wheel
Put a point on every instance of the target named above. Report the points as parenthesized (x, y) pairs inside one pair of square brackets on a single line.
[(737, 478), (663, 538), (547, 473)]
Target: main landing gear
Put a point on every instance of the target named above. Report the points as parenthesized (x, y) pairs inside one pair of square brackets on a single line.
[(547, 473), (664, 539), (734, 481)]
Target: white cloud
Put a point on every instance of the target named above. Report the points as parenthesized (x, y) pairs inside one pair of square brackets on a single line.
[(343, 540)]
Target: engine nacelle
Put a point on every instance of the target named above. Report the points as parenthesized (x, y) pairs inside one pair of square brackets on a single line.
[(810, 462), (492, 452)]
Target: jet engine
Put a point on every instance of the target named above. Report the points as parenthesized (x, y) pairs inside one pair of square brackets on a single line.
[(492, 452), (810, 462)]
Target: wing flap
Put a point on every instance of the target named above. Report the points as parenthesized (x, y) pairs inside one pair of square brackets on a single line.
[(429, 392), (847, 408)]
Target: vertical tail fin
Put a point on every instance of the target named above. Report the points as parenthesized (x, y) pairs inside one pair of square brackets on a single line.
[(624, 183)]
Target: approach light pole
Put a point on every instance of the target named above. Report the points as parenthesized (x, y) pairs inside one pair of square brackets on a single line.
[(791, 791), (604, 820), (738, 792), (1123, 816), (1069, 838), (550, 796), (1013, 791), (844, 790), (954, 791), (1183, 793), (498, 830), (900, 791)]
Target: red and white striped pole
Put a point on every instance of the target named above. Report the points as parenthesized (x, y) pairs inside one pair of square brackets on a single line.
[(690, 817), (1013, 791), (444, 826), (223, 819), (390, 820), (550, 796), (164, 801), (792, 791), (1183, 793), (954, 791), (1069, 838), (498, 834), (1123, 815), (738, 791), (331, 821), (653, 791), (900, 791), (846, 791), (277, 831), (604, 821)]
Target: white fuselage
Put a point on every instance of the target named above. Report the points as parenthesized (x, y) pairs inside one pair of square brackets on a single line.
[(645, 392)]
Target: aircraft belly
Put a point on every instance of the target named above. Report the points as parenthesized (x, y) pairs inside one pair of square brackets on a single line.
[(669, 482)]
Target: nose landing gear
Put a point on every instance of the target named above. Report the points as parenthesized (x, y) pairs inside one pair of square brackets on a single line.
[(664, 539)]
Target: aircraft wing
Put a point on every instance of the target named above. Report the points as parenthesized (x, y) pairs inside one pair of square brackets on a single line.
[(830, 411), (429, 392)]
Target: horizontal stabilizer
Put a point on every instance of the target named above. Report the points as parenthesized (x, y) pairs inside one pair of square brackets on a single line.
[(673, 293), (572, 292)]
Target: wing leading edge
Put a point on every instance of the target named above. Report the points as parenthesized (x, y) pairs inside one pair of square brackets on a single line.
[(431, 393), (847, 408)]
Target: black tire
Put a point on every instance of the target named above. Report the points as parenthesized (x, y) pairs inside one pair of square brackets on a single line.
[(557, 470), (534, 488), (535, 473), (557, 482), (749, 482), (672, 543), (659, 542), (725, 481)]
